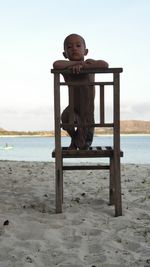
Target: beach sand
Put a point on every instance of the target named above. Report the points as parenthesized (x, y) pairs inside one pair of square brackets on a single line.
[(86, 234)]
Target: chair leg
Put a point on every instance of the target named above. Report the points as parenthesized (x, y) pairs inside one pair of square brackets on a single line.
[(111, 183), (117, 185), (59, 190), (62, 183)]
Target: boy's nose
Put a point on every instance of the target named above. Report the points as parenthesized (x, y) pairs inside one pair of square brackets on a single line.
[(74, 48)]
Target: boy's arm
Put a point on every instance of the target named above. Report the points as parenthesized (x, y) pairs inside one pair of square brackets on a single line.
[(91, 63), (65, 64), (77, 66)]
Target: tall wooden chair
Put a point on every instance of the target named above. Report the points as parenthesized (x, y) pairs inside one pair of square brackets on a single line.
[(113, 153)]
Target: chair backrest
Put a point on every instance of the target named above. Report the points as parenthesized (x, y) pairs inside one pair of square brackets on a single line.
[(115, 83)]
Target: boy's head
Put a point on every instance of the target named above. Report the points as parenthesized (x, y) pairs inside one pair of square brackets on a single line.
[(74, 47)]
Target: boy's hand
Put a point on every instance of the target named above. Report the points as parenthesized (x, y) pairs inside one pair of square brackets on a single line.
[(76, 68)]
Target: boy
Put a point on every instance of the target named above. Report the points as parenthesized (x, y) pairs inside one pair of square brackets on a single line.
[(75, 50)]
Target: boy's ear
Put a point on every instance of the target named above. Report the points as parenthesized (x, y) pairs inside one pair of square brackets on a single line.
[(86, 51), (64, 54)]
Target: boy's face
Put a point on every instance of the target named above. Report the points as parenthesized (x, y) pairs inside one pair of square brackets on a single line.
[(75, 48)]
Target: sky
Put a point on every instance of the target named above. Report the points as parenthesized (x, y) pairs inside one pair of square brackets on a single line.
[(31, 39)]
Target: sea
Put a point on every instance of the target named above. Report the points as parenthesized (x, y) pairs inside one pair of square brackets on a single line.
[(136, 148)]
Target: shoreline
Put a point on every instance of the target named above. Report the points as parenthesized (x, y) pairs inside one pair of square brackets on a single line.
[(72, 162), (96, 135)]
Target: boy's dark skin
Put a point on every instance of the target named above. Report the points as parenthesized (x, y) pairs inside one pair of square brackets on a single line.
[(75, 50)]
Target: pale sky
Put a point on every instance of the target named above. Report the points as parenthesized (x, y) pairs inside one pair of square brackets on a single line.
[(31, 39)]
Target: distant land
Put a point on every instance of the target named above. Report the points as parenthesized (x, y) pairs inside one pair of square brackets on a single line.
[(135, 126), (127, 127)]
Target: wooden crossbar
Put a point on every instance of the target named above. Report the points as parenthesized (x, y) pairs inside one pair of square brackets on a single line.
[(92, 152), (86, 167)]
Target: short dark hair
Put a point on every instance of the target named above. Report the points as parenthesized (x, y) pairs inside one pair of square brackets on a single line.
[(66, 39)]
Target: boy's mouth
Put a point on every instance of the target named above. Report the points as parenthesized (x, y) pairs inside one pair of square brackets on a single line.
[(75, 54)]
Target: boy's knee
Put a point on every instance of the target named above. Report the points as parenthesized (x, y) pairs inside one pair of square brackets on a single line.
[(65, 115)]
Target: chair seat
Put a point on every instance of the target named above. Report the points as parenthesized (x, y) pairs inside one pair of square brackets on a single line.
[(92, 152)]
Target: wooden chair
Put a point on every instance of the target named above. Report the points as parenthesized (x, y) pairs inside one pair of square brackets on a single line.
[(113, 153)]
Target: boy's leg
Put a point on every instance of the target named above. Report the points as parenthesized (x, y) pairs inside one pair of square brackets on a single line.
[(70, 130), (65, 119), (80, 135), (84, 135), (90, 130), (89, 136), (77, 136), (84, 138)]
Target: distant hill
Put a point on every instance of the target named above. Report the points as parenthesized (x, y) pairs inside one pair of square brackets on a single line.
[(29, 133), (135, 126), (1, 129), (127, 127)]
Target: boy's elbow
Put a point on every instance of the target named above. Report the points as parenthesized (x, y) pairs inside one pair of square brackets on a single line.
[(59, 64), (102, 64), (105, 64), (56, 65)]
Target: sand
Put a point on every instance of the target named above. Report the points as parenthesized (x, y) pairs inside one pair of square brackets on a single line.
[(86, 234)]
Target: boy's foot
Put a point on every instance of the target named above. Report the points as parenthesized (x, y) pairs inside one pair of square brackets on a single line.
[(72, 145), (80, 141)]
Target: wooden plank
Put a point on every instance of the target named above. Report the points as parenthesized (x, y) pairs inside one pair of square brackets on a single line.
[(75, 83), (58, 157), (111, 182), (93, 153), (85, 167), (105, 125), (102, 105), (71, 106), (96, 70), (117, 182)]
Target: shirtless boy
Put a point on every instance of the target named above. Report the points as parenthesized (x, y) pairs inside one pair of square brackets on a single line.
[(75, 50)]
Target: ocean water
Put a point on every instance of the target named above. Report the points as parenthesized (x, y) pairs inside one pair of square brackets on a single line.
[(136, 148)]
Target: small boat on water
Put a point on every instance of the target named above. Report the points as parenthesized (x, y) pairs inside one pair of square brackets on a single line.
[(6, 147)]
